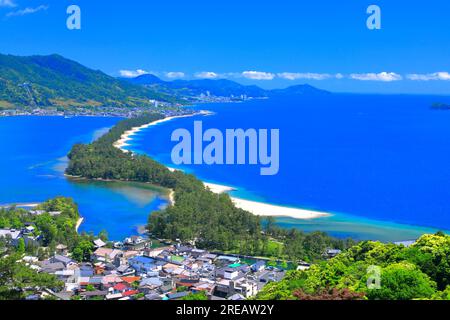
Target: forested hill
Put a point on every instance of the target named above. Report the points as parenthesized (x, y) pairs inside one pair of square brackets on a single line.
[(209, 219), (375, 271), (45, 81)]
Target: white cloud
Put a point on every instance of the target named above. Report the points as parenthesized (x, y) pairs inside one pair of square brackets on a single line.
[(430, 76), (175, 75), (382, 76), (8, 3), (206, 75), (27, 11), (258, 75), (132, 73), (309, 76)]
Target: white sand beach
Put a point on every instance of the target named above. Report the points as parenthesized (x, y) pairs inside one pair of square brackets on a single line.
[(257, 208), (79, 222), (265, 209), (127, 135)]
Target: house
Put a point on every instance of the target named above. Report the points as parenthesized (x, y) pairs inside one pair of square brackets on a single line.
[(177, 295), (99, 268), (176, 260), (121, 287), (184, 250), (130, 293), (135, 243), (143, 264), (226, 260), (149, 285), (195, 253), (51, 268), (125, 270), (96, 281), (122, 258), (258, 266), (36, 212), (230, 273), (204, 286), (131, 280), (244, 287), (105, 254), (114, 296), (226, 288), (331, 253), (86, 270), (153, 253), (98, 243), (110, 280), (188, 283), (236, 297), (271, 277), (28, 230), (63, 259), (88, 295), (153, 296), (210, 256), (61, 249), (12, 235), (204, 260)]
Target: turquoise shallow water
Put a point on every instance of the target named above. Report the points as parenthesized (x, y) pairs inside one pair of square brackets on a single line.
[(32, 170), (379, 164)]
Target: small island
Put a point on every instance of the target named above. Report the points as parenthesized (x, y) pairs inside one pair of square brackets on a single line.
[(440, 106)]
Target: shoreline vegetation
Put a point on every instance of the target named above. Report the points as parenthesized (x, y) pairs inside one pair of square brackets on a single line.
[(257, 208), (197, 215)]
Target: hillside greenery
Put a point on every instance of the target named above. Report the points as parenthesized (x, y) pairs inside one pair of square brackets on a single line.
[(421, 271), (199, 216), (50, 229), (54, 81)]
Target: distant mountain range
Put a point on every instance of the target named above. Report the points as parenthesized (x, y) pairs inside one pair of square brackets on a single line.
[(220, 87), (54, 81)]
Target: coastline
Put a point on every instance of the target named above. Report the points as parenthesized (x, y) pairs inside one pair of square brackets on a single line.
[(79, 222), (126, 136), (263, 209), (257, 208)]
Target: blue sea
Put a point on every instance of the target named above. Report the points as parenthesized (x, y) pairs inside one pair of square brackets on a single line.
[(378, 163), (32, 170)]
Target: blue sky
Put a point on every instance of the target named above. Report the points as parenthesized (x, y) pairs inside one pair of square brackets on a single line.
[(268, 43)]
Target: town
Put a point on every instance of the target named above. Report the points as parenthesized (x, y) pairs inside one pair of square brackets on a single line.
[(138, 268), (135, 269)]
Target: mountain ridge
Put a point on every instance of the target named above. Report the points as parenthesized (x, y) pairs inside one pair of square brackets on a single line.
[(42, 81), (55, 81), (223, 87)]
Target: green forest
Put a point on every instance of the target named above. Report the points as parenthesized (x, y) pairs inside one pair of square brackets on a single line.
[(199, 216), (17, 280), (421, 271)]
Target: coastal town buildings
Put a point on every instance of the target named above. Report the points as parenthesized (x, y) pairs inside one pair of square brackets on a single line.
[(139, 271)]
